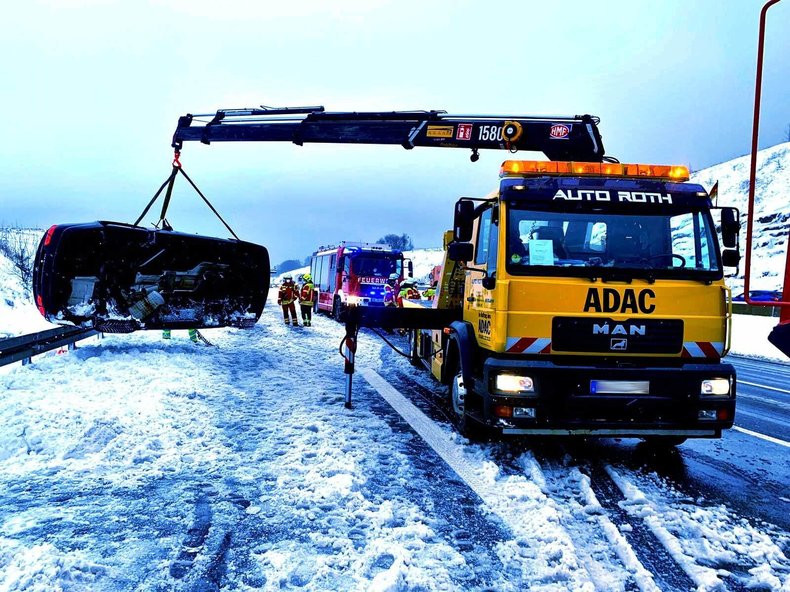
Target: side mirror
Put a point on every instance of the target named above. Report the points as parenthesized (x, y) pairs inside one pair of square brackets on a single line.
[(462, 221), (410, 268), (730, 258), (730, 226), (458, 251)]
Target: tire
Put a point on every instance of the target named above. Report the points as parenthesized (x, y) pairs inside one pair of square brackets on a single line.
[(116, 326), (414, 354), (338, 310), (467, 427)]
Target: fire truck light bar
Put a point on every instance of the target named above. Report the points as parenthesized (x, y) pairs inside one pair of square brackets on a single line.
[(599, 169)]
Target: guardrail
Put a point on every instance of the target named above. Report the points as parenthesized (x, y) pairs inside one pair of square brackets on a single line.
[(761, 311), (25, 347)]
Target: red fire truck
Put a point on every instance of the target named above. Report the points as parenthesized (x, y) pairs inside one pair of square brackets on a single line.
[(354, 274)]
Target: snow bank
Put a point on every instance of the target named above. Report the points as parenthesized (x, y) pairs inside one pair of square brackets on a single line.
[(18, 313)]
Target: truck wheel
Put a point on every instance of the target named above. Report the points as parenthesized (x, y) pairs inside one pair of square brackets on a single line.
[(338, 310), (467, 427), (414, 352)]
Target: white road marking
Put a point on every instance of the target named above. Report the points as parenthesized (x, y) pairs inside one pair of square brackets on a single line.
[(765, 401), (448, 449), (761, 436), (435, 437), (770, 388)]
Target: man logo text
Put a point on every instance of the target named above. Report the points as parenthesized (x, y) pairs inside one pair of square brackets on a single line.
[(607, 329)]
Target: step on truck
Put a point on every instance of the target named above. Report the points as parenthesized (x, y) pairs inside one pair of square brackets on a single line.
[(590, 300)]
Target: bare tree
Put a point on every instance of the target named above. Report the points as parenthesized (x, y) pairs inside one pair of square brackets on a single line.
[(16, 247)]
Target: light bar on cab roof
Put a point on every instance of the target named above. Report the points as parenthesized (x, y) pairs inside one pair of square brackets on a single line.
[(598, 169)]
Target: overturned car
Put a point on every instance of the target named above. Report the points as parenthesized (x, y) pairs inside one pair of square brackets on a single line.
[(119, 278)]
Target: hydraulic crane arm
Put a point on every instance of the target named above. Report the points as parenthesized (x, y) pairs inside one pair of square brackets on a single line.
[(559, 138)]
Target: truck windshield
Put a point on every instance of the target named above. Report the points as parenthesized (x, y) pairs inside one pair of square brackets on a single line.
[(676, 242), (369, 266)]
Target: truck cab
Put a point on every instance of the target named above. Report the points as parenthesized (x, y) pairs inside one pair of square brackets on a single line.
[(593, 304)]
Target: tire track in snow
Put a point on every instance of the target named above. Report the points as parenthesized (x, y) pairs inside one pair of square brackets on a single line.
[(634, 548), (589, 524), (648, 548), (718, 572), (550, 553)]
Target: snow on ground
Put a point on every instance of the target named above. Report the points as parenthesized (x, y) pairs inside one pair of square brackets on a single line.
[(750, 337), (133, 463)]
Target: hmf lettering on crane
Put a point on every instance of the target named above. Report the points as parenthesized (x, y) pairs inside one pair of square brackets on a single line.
[(610, 300)]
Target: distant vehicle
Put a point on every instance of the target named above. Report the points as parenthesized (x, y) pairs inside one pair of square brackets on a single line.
[(119, 278), (760, 296), (354, 274)]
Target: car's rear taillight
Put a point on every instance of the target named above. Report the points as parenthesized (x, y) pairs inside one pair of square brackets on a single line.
[(40, 305), (48, 236)]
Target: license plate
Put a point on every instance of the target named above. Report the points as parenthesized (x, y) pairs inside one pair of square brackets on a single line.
[(619, 387)]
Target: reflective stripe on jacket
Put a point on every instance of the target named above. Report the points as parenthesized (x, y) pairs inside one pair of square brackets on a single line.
[(307, 293), (287, 294)]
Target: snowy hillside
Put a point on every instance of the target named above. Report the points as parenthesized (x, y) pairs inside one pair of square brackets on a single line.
[(18, 314), (772, 198)]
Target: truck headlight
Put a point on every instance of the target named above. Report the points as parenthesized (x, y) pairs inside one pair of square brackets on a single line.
[(512, 383), (715, 386)]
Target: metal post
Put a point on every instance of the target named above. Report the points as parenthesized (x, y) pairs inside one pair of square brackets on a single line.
[(349, 351), (26, 361)]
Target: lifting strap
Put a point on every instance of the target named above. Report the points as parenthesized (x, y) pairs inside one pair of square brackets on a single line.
[(169, 182)]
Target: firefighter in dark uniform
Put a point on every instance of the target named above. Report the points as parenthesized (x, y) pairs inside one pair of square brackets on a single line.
[(287, 297), (307, 299)]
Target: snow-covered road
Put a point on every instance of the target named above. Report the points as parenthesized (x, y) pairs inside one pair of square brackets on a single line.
[(137, 464)]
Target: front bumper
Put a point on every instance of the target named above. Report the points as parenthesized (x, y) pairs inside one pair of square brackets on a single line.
[(564, 402)]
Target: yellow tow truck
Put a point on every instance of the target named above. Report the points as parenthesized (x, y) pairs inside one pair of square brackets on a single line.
[(590, 301)]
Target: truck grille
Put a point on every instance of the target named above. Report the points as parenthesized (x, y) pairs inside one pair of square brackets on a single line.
[(603, 335)]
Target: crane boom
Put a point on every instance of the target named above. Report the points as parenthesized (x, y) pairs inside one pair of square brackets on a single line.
[(559, 138)]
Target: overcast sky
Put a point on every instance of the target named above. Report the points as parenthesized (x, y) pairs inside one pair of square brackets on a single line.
[(91, 91)]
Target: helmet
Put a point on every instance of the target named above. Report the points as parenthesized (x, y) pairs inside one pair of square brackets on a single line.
[(394, 276), (288, 278), (307, 277)]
